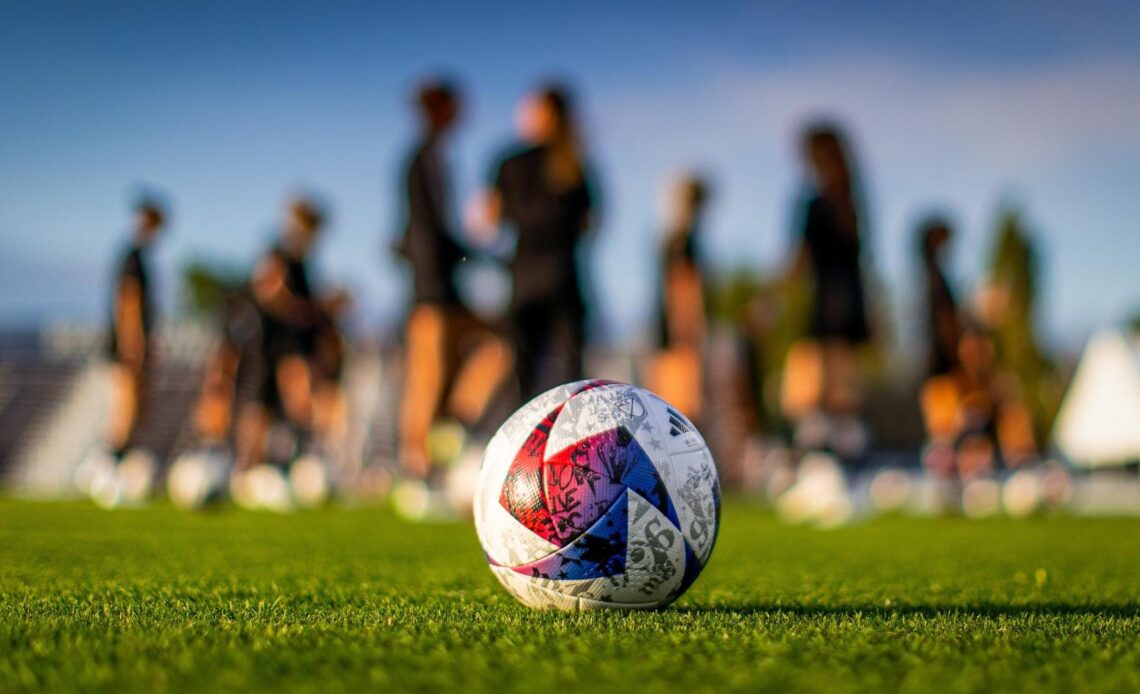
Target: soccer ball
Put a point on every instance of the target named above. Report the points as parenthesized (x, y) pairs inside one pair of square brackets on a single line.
[(597, 495), (198, 477)]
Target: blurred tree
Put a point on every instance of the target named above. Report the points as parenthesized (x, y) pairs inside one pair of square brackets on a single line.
[(1008, 306), (208, 286)]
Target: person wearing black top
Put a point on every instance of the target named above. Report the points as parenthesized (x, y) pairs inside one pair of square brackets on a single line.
[(943, 324), (830, 250), (455, 361), (544, 193), (676, 372), (289, 316), (428, 243), (130, 345)]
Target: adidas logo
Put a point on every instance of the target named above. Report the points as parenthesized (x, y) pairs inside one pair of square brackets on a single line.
[(677, 424)]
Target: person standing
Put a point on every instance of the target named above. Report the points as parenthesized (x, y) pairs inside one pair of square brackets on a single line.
[(455, 361), (831, 244), (943, 324), (543, 191), (676, 373), (289, 313), (131, 346)]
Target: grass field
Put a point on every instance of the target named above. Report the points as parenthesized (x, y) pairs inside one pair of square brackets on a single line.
[(345, 599)]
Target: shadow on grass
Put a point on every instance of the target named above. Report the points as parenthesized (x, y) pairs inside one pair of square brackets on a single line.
[(982, 609)]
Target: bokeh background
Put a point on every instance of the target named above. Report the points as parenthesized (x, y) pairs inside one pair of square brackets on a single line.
[(1016, 118), (225, 106)]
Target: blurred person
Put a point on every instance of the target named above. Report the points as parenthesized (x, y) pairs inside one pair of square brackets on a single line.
[(940, 393), (133, 318), (544, 192), (676, 372), (330, 403), (822, 394), (455, 361), (975, 413), (942, 321), (289, 312), (233, 372), (1007, 304)]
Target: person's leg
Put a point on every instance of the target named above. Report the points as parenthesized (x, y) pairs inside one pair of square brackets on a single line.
[(330, 414), (250, 436), (802, 388), (575, 347), (840, 385), (939, 400), (483, 366), (123, 419), (295, 384), (560, 358), (423, 385), (675, 375), (214, 413), (848, 436), (1014, 428), (529, 326)]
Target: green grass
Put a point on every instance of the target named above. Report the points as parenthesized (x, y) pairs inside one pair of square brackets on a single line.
[(156, 599)]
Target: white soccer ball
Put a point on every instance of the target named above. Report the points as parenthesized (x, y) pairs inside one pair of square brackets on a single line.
[(136, 475), (309, 481), (261, 488), (198, 477), (597, 495)]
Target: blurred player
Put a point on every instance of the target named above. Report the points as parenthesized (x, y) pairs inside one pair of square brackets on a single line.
[(677, 372), (281, 290), (121, 471), (975, 414), (132, 330), (830, 250), (455, 362), (330, 404), (543, 191), (943, 324)]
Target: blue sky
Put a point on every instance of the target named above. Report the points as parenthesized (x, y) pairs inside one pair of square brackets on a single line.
[(228, 106)]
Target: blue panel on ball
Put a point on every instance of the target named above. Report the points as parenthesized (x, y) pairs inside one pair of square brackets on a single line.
[(641, 476), (597, 553)]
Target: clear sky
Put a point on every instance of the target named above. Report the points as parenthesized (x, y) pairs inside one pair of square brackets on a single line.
[(227, 106)]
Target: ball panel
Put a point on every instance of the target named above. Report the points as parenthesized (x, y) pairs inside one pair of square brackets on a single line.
[(586, 413), (599, 552), (599, 409), (506, 541), (511, 436), (685, 465), (524, 489), (655, 560), (696, 493), (654, 569), (680, 433), (559, 492), (574, 595), (497, 459)]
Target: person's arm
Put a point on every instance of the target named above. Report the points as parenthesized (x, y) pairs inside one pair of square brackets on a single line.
[(808, 229), (130, 338), (271, 292), (485, 214)]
